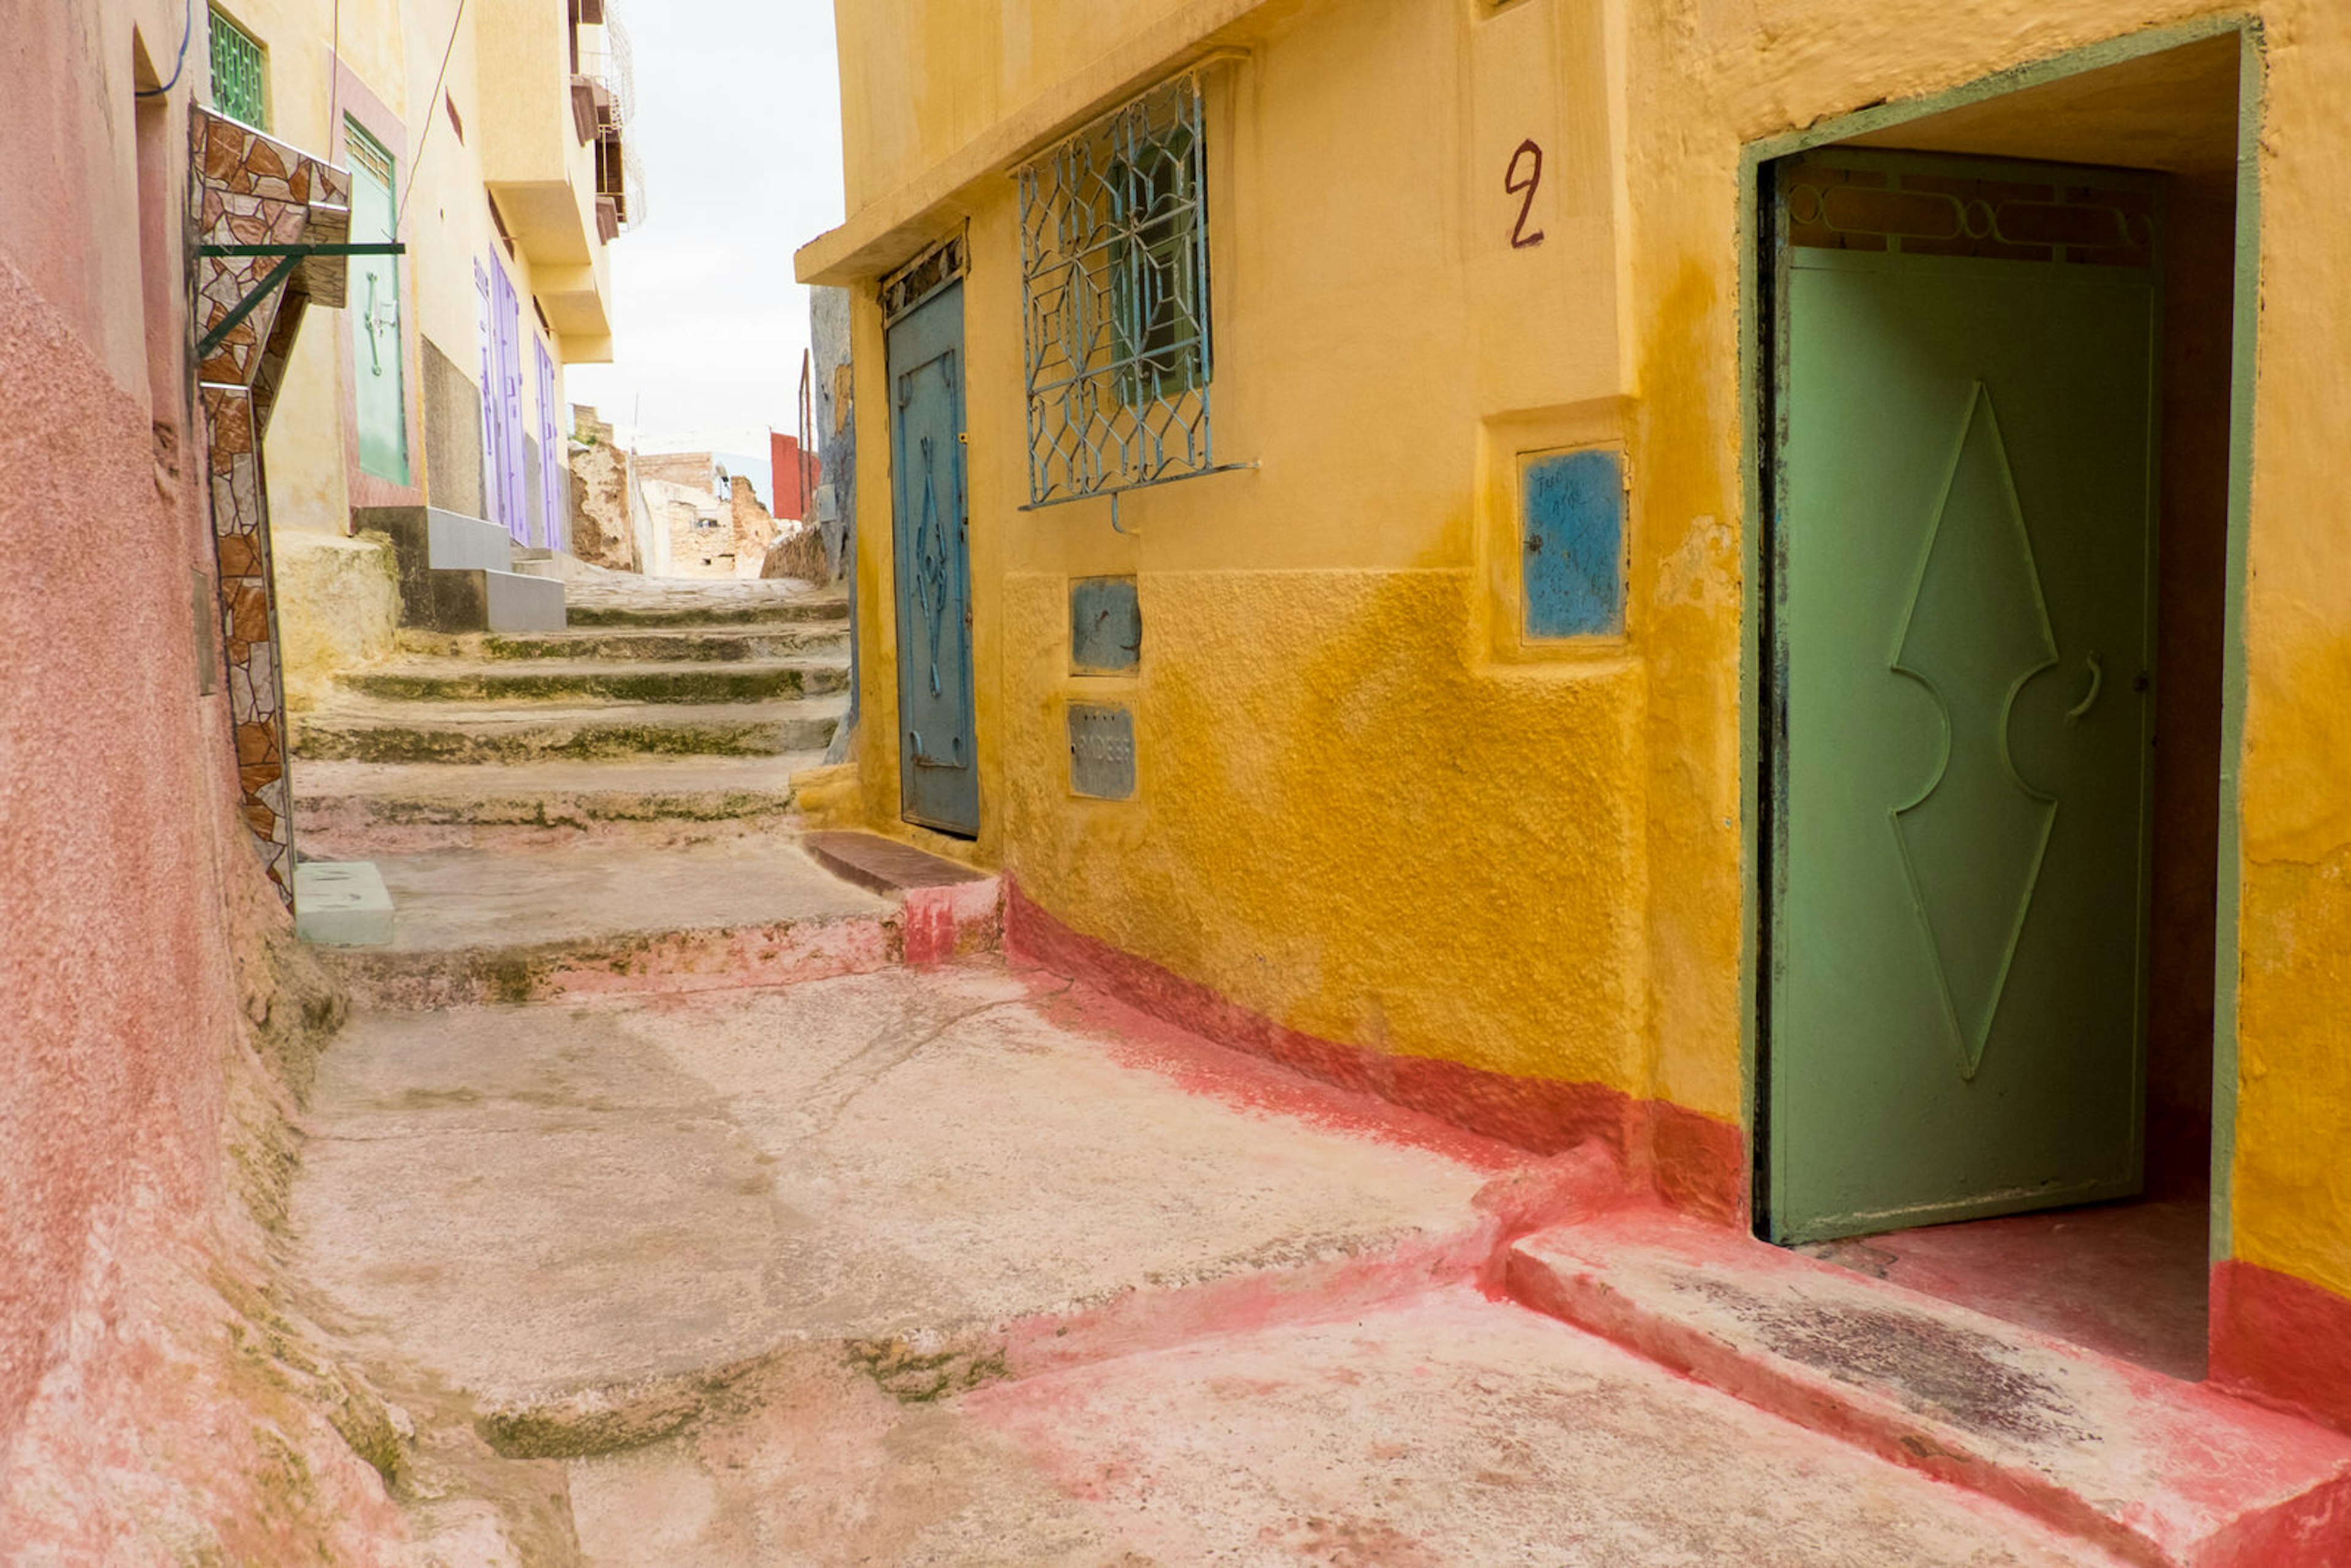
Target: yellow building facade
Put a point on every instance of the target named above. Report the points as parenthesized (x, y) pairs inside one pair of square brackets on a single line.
[(1373, 810)]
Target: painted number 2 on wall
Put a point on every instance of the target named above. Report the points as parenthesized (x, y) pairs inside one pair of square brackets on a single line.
[(1520, 179)]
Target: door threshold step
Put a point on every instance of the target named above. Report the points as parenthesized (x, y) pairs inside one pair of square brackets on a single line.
[(2159, 1471), (885, 865), (951, 908)]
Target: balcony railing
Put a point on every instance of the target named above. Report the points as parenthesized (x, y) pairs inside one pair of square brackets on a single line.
[(603, 107)]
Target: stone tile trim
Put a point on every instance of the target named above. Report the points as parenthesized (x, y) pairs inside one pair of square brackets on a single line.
[(252, 190)]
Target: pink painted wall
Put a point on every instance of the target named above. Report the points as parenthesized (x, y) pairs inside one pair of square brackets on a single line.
[(130, 889), (110, 900)]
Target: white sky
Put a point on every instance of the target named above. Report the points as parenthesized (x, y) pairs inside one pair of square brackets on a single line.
[(738, 122)]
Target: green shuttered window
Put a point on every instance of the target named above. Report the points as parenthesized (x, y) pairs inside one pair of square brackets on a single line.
[(240, 74)]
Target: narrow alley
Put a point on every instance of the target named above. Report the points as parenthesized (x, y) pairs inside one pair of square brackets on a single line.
[(677, 1218), (685, 1201), (1132, 783)]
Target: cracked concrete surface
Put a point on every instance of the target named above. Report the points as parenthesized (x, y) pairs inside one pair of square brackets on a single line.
[(1440, 1429), (969, 1266), (533, 1201)]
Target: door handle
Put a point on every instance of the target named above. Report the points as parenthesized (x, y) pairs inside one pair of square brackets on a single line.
[(2081, 710)]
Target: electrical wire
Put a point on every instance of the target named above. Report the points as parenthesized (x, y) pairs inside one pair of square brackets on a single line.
[(187, 31), (416, 158), (334, 74)]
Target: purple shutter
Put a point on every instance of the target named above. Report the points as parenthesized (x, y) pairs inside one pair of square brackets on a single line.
[(502, 394), (550, 465), (492, 425)]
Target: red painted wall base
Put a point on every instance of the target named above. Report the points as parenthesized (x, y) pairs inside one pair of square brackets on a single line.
[(1693, 1162), (2282, 1342)]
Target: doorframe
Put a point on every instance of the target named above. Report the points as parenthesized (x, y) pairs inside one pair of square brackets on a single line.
[(1760, 537)]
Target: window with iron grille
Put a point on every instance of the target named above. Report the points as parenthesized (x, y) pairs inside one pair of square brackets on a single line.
[(1114, 283), (240, 73)]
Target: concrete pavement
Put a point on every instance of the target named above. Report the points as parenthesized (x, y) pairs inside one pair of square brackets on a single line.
[(960, 1264)]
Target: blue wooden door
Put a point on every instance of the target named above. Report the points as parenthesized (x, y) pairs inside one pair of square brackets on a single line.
[(938, 769)]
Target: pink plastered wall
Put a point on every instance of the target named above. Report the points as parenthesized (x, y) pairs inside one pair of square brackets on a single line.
[(119, 851)]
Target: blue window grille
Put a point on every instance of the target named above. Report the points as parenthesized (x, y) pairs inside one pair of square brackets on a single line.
[(1114, 289)]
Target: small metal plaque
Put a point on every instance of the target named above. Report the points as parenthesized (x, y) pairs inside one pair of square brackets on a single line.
[(1101, 751), (1105, 626)]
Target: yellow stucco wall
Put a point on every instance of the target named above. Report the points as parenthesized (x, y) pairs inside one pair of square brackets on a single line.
[(1363, 810), (2293, 1182), (919, 80)]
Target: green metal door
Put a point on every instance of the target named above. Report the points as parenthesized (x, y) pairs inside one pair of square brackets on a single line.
[(373, 306), (1963, 716)]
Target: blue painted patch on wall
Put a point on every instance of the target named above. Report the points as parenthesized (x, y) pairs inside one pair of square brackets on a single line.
[(1105, 626), (1572, 533)]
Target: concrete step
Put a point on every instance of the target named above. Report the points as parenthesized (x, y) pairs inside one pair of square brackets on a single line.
[(471, 926), (551, 680), (437, 540), (375, 729), (457, 574), (1442, 1428), (652, 644), (581, 1213), (2156, 1471), (513, 602), (658, 601), (686, 613), (352, 810)]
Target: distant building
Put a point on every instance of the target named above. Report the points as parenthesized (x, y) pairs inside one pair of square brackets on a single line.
[(796, 477)]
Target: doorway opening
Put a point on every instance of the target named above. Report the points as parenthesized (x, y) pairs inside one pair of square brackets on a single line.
[(1997, 406)]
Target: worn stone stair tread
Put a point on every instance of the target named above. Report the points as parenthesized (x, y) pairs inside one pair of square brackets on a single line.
[(450, 900), (558, 788), (392, 730), (701, 644), (2159, 1471), (431, 679), (718, 603)]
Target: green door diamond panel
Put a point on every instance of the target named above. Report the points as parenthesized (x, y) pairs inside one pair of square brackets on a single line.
[(1962, 644), (1975, 631)]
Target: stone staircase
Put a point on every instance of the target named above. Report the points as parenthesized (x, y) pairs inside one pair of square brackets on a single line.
[(686, 702), (609, 807), (461, 574)]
